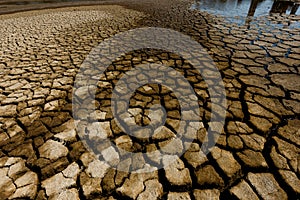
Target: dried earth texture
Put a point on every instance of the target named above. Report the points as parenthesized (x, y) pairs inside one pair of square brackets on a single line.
[(43, 157)]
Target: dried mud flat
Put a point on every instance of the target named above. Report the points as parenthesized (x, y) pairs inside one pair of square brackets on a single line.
[(42, 156)]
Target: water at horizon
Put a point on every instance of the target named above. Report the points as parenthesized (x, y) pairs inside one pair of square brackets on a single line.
[(10, 6)]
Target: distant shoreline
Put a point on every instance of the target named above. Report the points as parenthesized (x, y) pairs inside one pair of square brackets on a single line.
[(10, 8)]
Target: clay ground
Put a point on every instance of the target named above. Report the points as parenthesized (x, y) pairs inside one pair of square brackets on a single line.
[(43, 157)]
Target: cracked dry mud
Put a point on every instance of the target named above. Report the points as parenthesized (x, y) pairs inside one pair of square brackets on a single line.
[(42, 156)]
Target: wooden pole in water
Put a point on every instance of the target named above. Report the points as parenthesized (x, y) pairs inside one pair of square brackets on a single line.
[(251, 11), (252, 8)]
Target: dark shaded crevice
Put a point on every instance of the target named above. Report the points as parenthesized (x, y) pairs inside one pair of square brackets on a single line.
[(219, 170), (165, 183), (226, 195), (79, 187)]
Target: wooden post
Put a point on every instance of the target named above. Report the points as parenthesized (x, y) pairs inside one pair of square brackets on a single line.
[(252, 8)]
